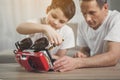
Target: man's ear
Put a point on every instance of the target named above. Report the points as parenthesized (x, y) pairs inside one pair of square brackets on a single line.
[(48, 9), (106, 6)]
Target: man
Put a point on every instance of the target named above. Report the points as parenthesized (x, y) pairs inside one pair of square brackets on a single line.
[(98, 37)]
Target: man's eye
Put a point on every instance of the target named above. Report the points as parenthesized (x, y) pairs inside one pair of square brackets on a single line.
[(92, 13), (84, 14)]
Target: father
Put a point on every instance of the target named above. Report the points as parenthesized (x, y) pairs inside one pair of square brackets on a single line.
[(98, 38)]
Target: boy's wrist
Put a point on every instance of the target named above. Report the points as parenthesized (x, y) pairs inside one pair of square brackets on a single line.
[(43, 29), (55, 56)]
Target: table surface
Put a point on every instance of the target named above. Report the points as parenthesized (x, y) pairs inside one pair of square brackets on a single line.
[(13, 71)]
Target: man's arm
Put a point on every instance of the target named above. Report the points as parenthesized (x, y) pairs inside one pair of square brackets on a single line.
[(109, 58)]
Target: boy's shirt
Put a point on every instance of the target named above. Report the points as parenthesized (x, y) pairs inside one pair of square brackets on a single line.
[(66, 32)]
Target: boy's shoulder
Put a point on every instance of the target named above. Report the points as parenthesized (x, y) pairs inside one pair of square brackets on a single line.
[(66, 27)]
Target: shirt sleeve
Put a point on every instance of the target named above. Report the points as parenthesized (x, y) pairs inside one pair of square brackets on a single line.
[(114, 32)]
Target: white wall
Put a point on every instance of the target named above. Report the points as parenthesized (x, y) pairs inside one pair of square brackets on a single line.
[(115, 4)]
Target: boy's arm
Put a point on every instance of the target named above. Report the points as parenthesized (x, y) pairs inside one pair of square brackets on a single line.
[(60, 53), (31, 28), (85, 50)]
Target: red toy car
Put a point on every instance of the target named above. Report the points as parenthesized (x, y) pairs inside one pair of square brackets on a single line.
[(33, 58)]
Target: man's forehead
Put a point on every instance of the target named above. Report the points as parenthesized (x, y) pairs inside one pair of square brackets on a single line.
[(86, 0), (87, 3), (89, 6)]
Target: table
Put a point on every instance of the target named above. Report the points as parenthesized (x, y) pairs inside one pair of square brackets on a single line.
[(13, 71)]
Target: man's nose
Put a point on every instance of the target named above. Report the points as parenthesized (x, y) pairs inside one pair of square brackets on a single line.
[(88, 18)]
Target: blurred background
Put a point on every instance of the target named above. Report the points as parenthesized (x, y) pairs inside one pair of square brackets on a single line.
[(14, 12)]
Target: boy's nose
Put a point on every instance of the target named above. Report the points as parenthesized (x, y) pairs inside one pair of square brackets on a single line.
[(56, 22)]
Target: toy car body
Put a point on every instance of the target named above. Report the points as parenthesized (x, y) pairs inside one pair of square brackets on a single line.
[(33, 56), (31, 61)]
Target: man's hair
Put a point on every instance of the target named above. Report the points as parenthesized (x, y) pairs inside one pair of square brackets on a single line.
[(99, 2), (67, 6)]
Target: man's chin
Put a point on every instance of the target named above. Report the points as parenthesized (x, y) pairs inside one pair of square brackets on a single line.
[(93, 27)]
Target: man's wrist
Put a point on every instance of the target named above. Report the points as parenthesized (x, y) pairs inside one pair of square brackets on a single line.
[(80, 63)]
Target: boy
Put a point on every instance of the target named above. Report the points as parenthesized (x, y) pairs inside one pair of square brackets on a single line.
[(53, 27)]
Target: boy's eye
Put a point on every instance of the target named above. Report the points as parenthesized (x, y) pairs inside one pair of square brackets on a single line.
[(62, 22), (54, 16)]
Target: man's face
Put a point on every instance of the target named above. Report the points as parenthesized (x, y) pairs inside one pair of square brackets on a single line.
[(56, 18), (93, 14)]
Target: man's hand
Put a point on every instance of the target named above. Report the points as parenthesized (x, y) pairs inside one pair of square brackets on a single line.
[(66, 64)]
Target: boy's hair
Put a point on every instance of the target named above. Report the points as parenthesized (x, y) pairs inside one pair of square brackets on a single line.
[(99, 2), (67, 6)]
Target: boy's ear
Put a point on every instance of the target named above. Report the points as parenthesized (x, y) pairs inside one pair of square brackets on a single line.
[(48, 9)]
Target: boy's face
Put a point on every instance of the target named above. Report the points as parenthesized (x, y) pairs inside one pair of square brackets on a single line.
[(56, 18), (93, 14)]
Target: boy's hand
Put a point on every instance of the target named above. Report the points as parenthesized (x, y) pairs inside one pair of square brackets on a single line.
[(52, 35), (54, 56)]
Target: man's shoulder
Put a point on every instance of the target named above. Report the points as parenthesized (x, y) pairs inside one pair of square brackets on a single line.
[(113, 18), (114, 11), (114, 14)]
